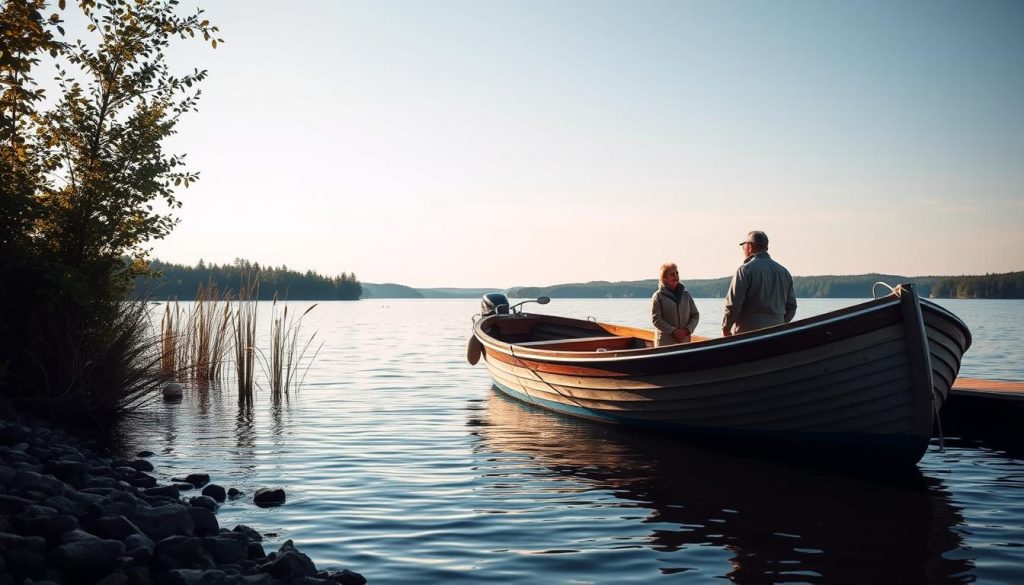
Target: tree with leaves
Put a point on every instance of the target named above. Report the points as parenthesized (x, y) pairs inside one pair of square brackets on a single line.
[(84, 173)]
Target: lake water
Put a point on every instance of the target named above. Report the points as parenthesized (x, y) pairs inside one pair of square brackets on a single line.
[(401, 462)]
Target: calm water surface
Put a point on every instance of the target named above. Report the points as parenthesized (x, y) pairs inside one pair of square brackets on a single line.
[(402, 463)]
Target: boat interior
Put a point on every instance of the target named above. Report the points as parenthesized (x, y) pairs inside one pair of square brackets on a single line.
[(560, 334)]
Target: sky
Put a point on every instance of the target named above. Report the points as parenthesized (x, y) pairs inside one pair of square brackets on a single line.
[(505, 143)]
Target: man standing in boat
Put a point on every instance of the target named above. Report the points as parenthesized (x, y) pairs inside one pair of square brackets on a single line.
[(761, 293), (673, 311)]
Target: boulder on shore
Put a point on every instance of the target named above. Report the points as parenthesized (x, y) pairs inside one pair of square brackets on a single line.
[(70, 516)]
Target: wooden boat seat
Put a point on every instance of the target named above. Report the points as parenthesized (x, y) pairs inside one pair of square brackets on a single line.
[(608, 342)]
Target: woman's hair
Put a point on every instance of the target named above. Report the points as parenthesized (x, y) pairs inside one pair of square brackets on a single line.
[(664, 269)]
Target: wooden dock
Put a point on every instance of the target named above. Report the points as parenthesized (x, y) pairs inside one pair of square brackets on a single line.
[(989, 389)]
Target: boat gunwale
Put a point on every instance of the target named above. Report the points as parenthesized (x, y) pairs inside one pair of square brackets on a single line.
[(718, 343)]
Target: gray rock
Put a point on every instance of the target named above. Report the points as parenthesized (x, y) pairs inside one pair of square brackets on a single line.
[(52, 527), (233, 493), (105, 482), (116, 527), (40, 454), (156, 501), (34, 468), (141, 465), (142, 480), (255, 551), (6, 476), (77, 535), (248, 532), (114, 579), (289, 564), (344, 577), (139, 575), (24, 555), (63, 505), (96, 556), (169, 491), (205, 502), (140, 548), (69, 453), (205, 522), (215, 491), (134, 541), (106, 492), (12, 455), (173, 391), (11, 433), (226, 550), (72, 473), (198, 479), (257, 579), (266, 497), (101, 470), (31, 481), (181, 552), (196, 577), (145, 454), (162, 521), (11, 505)]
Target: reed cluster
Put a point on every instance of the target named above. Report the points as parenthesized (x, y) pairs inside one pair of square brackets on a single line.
[(284, 364), (244, 327), (196, 344), (173, 356), (92, 366)]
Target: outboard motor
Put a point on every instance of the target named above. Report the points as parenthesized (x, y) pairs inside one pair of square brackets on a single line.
[(494, 304)]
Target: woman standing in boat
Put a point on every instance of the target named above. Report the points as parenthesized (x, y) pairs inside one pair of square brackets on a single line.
[(673, 312)]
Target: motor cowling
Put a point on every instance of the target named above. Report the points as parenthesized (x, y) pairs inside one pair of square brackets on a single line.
[(494, 304)]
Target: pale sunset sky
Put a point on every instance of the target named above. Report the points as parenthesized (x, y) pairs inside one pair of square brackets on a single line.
[(500, 143)]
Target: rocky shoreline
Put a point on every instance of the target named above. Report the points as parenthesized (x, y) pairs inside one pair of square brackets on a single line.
[(71, 516)]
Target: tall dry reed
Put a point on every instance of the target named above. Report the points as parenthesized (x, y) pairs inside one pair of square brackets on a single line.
[(285, 369), (173, 352), (208, 340), (244, 328)]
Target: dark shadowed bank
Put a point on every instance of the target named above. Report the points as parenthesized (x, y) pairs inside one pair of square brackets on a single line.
[(69, 515)]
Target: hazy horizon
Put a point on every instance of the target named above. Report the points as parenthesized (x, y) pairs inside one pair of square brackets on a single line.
[(452, 143), (534, 285)]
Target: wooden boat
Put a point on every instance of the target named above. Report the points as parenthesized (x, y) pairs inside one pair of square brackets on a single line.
[(868, 380)]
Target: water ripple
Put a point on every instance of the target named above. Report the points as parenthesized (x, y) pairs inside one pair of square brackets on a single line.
[(402, 463)]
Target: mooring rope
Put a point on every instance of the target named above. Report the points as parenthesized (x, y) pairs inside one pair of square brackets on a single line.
[(545, 382), (875, 286)]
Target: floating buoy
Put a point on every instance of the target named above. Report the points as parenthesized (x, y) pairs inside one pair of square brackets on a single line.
[(473, 350)]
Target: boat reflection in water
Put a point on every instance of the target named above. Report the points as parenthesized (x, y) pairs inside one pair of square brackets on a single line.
[(775, 521)]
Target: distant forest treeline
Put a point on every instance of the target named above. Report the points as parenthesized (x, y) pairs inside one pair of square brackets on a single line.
[(181, 282), (989, 286)]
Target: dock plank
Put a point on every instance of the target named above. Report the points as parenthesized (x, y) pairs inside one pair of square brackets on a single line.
[(1001, 389)]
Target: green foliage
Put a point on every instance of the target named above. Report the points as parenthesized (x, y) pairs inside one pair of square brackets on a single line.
[(25, 36), (80, 182), (101, 145), (181, 282), (990, 286)]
